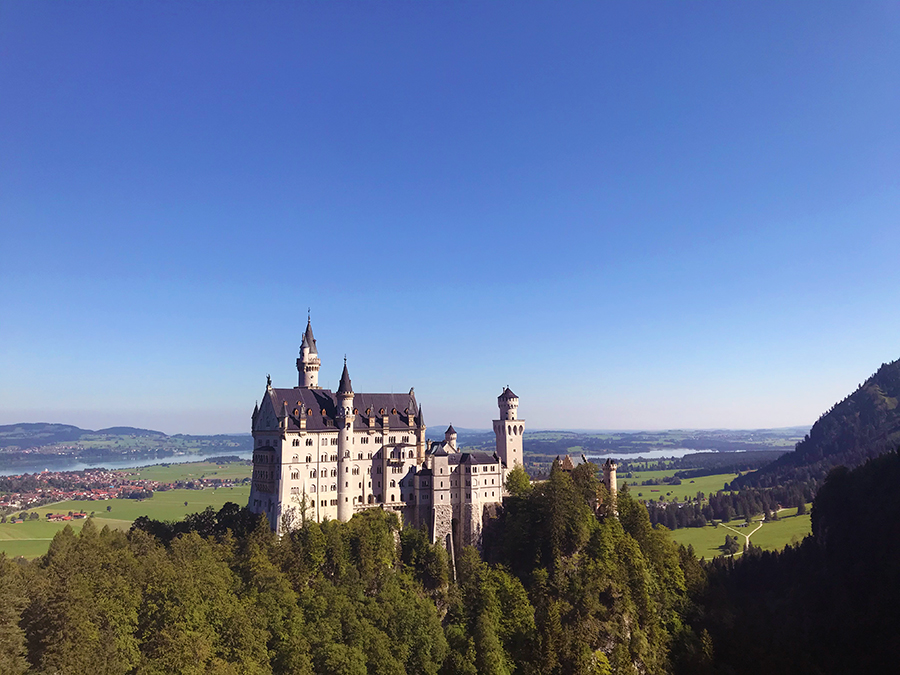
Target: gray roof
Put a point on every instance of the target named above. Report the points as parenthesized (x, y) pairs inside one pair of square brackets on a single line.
[(345, 387), (308, 339), (321, 407), (450, 430), (477, 458), (507, 394)]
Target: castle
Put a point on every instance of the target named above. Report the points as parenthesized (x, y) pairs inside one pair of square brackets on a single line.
[(320, 454)]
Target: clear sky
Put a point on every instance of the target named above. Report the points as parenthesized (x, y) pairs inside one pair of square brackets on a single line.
[(636, 215)]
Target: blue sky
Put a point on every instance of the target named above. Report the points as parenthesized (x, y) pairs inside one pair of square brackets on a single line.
[(637, 215)]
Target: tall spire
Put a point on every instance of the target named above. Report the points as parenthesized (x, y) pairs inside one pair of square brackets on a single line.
[(345, 387), (308, 339), (308, 363)]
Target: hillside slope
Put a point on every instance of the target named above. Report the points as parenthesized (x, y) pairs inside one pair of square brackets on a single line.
[(865, 424)]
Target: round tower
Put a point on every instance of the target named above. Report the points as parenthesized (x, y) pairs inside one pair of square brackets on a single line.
[(609, 479), (509, 429), (344, 421), (308, 363), (450, 437)]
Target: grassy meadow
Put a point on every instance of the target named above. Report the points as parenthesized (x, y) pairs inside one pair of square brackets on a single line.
[(32, 537), (689, 487), (789, 528), (170, 473)]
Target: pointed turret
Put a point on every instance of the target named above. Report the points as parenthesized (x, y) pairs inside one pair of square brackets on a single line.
[(450, 437), (308, 340), (345, 387), (308, 363), (421, 417)]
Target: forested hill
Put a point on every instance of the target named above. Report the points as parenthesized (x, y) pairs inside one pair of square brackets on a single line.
[(865, 424), (21, 445)]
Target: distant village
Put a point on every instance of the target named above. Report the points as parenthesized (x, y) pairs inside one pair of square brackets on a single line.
[(28, 491)]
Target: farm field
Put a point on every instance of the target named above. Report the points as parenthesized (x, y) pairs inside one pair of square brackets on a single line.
[(689, 487), (772, 536), (32, 537), (185, 472)]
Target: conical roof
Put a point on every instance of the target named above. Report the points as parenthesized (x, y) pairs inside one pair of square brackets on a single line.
[(308, 339), (507, 394), (345, 386), (450, 430)]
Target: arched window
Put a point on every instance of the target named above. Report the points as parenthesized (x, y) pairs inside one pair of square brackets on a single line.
[(309, 441), (312, 488), (308, 459), (296, 459), (295, 475)]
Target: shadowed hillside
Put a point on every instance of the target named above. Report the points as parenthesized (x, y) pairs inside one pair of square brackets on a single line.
[(864, 425)]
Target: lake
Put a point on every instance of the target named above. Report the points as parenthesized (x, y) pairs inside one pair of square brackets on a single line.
[(75, 465), (649, 454)]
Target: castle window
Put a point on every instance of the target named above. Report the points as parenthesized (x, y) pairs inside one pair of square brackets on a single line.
[(359, 455), (364, 440), (296, 442), (379, 469), (296, 459), (295, 491), (324, 502), (312, 488), (355, 470), (334, 502), (393, 484), (334, 458), (309, 441), (379, 439), (333, 487), (324, 458), (334, 441), (308, 459), (405, 439), (295, 475), (392, 439), (410, 454)]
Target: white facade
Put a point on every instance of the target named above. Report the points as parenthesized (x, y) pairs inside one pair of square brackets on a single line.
[(332, 454)]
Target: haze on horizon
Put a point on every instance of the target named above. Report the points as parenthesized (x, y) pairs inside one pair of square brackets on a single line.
[(638, 216)]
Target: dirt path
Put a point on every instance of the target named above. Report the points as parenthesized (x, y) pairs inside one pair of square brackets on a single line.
[(746, 536)]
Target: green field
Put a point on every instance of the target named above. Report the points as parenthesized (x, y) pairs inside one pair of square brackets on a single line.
[(32, 537), (169, 473), (689, 486), (774, 536)]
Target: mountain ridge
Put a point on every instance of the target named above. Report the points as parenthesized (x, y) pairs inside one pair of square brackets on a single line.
[(863, 425)]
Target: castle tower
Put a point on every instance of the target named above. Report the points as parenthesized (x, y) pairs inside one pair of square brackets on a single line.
[(450, 437), (420, 437), (343, 420), (308, 363), (508, 430), (609, 479)]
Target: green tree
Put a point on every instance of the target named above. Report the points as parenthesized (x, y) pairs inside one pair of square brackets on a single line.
[(518, 483)]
